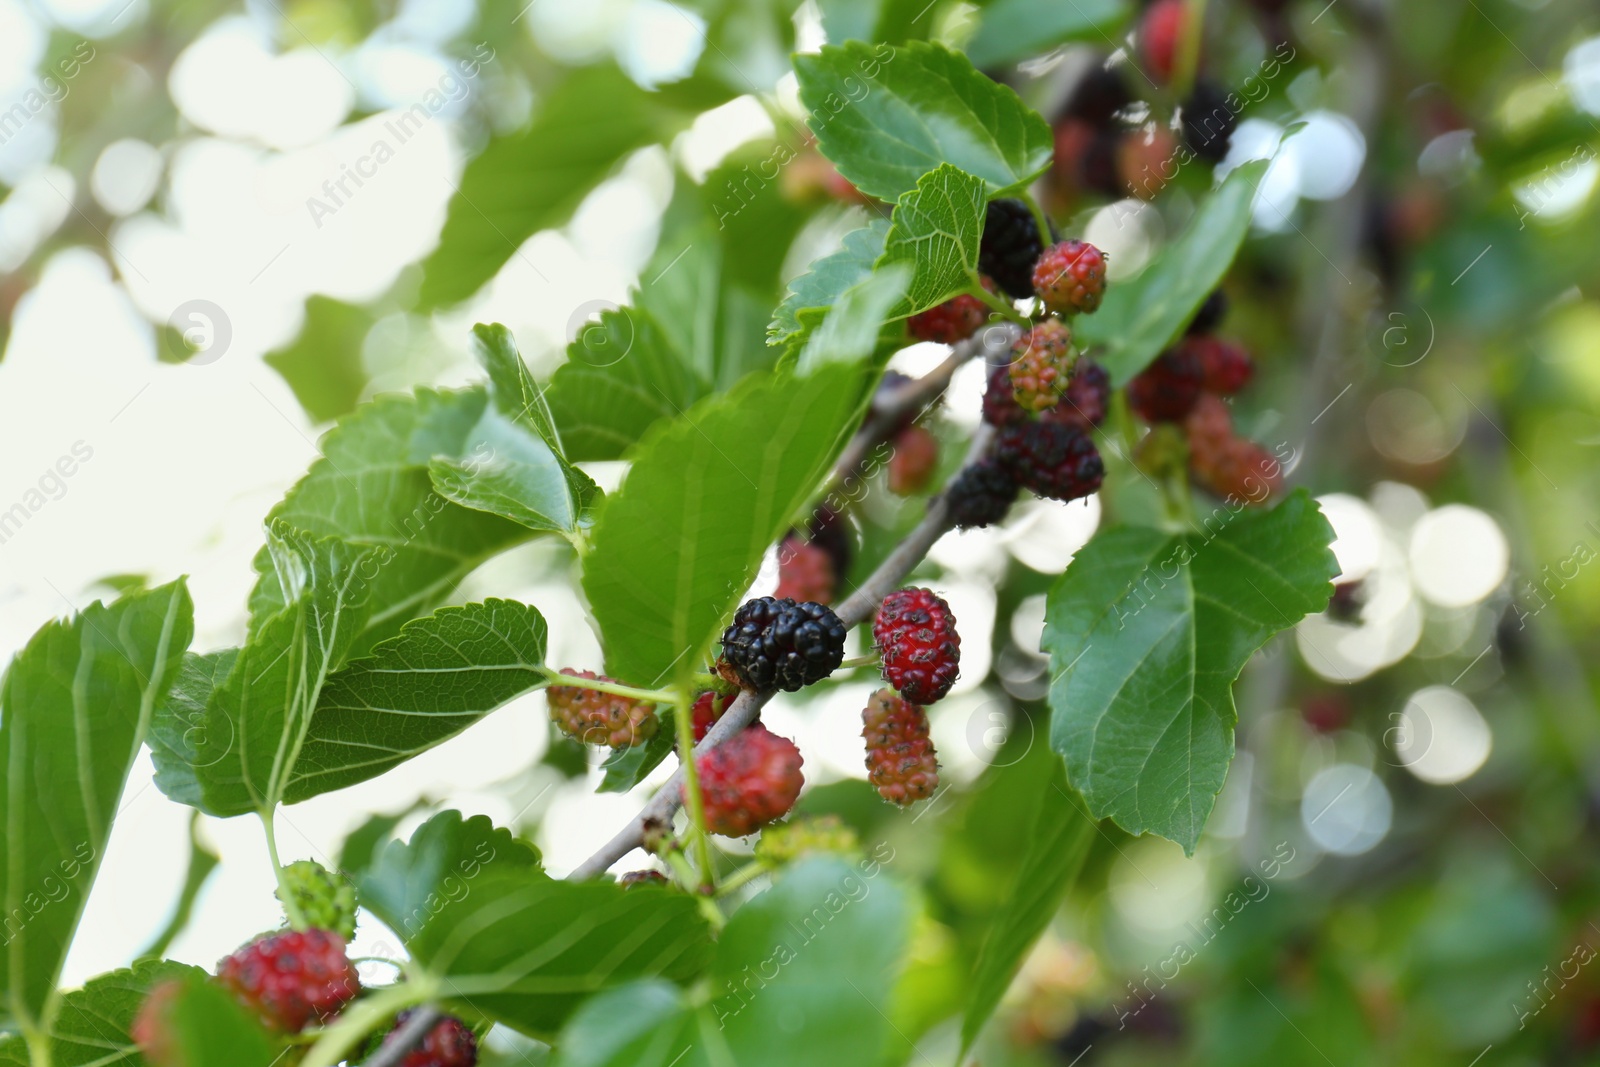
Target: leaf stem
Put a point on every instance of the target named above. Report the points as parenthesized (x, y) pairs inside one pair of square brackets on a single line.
[(39, 1048), (649, 696), (738, 879), (1000, 305), (684, 720), (291, 907), (868, 660)]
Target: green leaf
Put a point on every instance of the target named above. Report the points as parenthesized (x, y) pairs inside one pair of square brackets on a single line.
[(855, 327), (1057, 843), (741, 218), (813, 293), (372, 488), (712, 300), (936, 228), (1011, 30), (363, 843), (439, 676), (238, 754), (512, 389), (75, 705), (405, 884), (626, 767), (1146, 632), (323, 365), (695, 324), (836, 931), (515, 465), (91, 1029), (1144, 315), (875, 20), (802, 978), (679, 543), (508, 940), (535, 178), (887, 116), (622, 376), (644, 1024), (513, 474), (208, 1027)]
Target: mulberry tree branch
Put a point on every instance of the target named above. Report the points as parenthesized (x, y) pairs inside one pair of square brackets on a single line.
[(857, 608), (893, 407)]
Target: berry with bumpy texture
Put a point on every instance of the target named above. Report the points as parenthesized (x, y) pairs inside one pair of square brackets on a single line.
[(644, 877), (805, 571), (1071, 277), (916, 637), (292, 978), (708, 708), (1210, 315), (449, 1044), (1161, 31), (781, 644), (980, 495), (1041, 363), (1225, 368), (1208, 122), (1240, 471), (597, 718), (321, 898), (1084, 403), (1052, 459), (1167, 389), (916, 457), (1000, 407), (1010, 246), (954, 320), (749, 780), (786, 842), (901, 762), (152, 1028)]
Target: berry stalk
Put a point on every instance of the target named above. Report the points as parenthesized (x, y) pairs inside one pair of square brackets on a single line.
[(999, 304), (684, 722), (577, 681), (1040, 219), (291, 907)]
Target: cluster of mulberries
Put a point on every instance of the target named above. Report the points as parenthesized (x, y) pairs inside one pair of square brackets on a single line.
[(1186, 386), (1046, 399), (1113, 139)]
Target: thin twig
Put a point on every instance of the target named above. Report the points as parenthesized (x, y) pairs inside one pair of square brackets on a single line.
[(889, 411), (857, 608), (407, 1037)]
